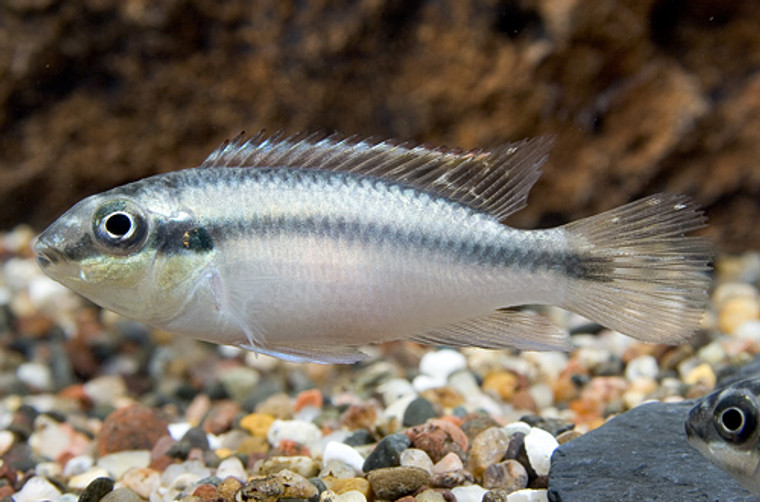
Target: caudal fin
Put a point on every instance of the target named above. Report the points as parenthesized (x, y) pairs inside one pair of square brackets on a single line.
[(649, 280)]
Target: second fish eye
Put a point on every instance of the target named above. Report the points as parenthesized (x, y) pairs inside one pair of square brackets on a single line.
[(736, 419), (732, 420)]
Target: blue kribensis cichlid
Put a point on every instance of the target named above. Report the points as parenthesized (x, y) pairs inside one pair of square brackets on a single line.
[(309, 247), (725, 428)]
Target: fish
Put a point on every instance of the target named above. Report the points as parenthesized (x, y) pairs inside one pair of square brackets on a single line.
[(309, 247), (723, 426)]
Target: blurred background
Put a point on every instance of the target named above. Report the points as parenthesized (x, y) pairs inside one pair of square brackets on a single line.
[(642, 95)]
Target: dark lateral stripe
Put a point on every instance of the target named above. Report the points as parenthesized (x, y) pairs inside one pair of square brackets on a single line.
[(520, 255)]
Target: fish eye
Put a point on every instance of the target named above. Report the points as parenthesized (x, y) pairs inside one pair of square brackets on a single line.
[(120, 226), (736, 419)]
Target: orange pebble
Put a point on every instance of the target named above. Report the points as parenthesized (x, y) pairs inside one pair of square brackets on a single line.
[(310, 397)]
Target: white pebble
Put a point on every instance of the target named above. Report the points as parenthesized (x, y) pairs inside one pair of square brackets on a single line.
[(542, 395), (343, 453), (351, 496), (178, 430), (232, 466), (464, 382), (5, 295), (120, 462), (528, 495), (421, 383), (106, 389), (471, 493), (78, 465), (642, 367), (712, 353), (35, 375), (395, 389), (37, 488), (141, 481), (305, 433), (748, 330), (80, 481), (539, 445), (512, 428), (413, 457), (47, 469), (239, 381), (6, 441), (194, 467), (442, 363)]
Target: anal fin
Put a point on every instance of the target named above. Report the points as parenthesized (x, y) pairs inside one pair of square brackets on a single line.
[(501, 329)]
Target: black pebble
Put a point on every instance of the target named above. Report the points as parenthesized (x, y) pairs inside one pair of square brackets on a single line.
[(418, 412), (553, 426), (96, 490), (387, 453), (197, 438), (359, 438)]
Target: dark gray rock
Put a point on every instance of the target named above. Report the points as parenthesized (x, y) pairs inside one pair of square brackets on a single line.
[(640, 456), (96, 490), (387, 452), (418, 412)]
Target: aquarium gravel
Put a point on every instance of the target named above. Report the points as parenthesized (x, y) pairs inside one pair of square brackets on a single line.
[(97, 407)]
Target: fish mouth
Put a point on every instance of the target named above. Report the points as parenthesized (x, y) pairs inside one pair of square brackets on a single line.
[(47, 255)]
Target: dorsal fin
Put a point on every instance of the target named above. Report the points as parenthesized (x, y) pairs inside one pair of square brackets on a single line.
[(495, 180)]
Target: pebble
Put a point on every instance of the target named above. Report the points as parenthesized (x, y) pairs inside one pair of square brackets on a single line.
[(343, 453), (81, 481), (437, 438), (413, 457), (509, 475), (116, 464), (257, 424), (35, 489), (418, 412), (239, 381), (231, 466), (304, 466), (131, 428), (106, 389), (394, 389), (141, 481), (391, 483), (539, 446), (642, 367), (442, 363), (122, 495), (305, 433), (503, 383), (488, 447), (343, 485), (430, 496), (284, 484), (749, 330), (351, 496), (96, 490), (449, 463), (528, 496), (472, 493), (35, 375), (78, 465), (387, 452), (703, 374)]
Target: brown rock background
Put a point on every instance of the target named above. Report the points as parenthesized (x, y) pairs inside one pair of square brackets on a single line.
[(642, 95)]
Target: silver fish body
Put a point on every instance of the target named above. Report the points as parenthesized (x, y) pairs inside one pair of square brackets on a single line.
[(725, 428), (309, 248)]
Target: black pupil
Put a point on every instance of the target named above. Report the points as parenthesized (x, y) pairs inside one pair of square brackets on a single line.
[(732, 419), (118, 224)]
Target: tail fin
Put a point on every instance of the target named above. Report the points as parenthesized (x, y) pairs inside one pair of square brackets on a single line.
[(653, 284)]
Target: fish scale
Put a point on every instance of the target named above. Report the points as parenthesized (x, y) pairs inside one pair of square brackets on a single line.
[(309, 248)]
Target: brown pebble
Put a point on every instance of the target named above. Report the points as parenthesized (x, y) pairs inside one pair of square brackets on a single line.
[(488, 447), (568, 436), (539, 482), (476, 424), (509, 475), (391, 483), (131, 428), (221, 417), (497, 495), (284, 484), (407, 498), (452, 479), (277, 405), (206, 492), (229, 488), (437, 438), (359, 416), (516, 443)]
